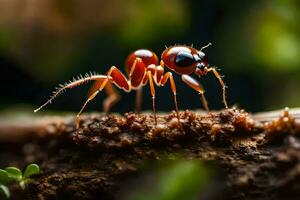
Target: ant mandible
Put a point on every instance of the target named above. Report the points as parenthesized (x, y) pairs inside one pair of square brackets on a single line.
[(142, 67)]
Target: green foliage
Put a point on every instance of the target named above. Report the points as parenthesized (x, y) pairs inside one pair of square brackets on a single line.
[(31, 170), (3, 176), (5, 190), (13, 174), (4, 180), (181, 180)]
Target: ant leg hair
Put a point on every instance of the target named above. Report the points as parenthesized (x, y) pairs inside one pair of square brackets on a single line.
[(76, 82), (163, 81), (196, 86), (152, 89), (218, 76)]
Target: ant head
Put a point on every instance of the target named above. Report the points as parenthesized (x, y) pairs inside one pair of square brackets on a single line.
[(181, 59), (201, 67), (184, 59), (202, 61)]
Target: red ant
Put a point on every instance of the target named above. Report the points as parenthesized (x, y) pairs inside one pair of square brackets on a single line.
[(142, 67)]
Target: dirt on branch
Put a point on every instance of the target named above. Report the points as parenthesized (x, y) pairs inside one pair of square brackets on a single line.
[(257, 156)]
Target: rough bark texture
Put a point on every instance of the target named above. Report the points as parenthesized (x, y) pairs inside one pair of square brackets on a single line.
[(256, 157)]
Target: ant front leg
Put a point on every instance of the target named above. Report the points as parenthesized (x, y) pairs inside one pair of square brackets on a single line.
[(196, 86), (218, 76)]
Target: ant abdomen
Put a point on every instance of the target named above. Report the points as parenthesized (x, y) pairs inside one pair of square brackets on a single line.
[(148, 57)]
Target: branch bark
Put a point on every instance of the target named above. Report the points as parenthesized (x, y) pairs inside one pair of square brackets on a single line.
[(257, 155)]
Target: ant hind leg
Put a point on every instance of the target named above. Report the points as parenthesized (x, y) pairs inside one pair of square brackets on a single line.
[(91, 97), (112, 99), (113, 96), (76, 82)]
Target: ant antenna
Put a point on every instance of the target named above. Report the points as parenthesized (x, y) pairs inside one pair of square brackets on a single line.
[(209, 44)]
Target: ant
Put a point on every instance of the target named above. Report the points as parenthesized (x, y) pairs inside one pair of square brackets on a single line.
[(142, 67)]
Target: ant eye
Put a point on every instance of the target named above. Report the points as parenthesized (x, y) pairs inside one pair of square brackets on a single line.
[(184, 59)]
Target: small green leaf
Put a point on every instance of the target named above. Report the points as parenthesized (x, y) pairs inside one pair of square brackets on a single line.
[(31, 170), (14, 173), (5, 190), (3, 177), (22, 184)]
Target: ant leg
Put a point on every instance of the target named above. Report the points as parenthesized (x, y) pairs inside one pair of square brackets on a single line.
[(118, 79), (91, 97), (218, 76), (136, 76), (95, 86), (112, 99), (163, 81), (76, 82), (138, 100), (152, 89), (196, 86), (113, 96)]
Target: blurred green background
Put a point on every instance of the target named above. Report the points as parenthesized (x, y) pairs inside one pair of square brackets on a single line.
[(255, 43)]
